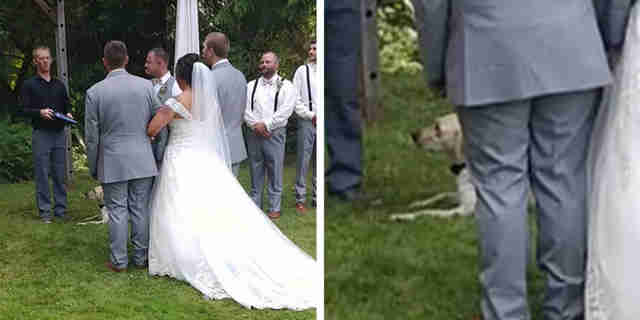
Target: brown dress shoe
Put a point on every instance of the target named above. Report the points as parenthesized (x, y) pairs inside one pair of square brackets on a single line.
[(300, 208), (113, 268), (274, 214)]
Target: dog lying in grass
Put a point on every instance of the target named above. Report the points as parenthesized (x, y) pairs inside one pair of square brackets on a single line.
[(445, 136), (97, 194)]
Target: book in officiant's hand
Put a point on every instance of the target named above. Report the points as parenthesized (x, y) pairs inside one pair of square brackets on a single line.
[(65, 118)]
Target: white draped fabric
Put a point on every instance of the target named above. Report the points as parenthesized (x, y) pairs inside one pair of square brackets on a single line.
[(614, 221), (187, 35)]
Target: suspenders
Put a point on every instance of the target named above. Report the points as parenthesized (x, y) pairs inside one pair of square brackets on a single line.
[(309, 88), (253, 94)]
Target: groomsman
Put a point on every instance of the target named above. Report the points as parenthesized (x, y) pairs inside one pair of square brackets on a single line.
[(270, 102), (41, 97), (165, 86), (343, 120), (231, 86), (305, 81)]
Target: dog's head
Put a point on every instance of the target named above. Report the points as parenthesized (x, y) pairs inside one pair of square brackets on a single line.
[(96, 194), (444, 135)]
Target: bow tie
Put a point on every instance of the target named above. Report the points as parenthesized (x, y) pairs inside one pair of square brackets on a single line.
[(156, 82), (267, 83)]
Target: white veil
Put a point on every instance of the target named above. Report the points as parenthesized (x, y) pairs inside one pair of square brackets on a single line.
[(207, 114)]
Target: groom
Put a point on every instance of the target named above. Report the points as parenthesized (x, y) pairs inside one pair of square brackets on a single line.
[(525, 77), (117, 111), (231, 86)]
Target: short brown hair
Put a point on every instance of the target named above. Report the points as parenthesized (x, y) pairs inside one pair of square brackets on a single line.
[(161, 53), (115, 52), (219, 42), (40, 47)]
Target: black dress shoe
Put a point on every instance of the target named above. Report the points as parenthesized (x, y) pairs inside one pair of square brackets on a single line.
[(353, 195), (141, 266), (65, 218)]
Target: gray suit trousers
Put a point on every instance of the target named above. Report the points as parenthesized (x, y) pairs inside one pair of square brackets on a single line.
[(266, 155), (48, 160), (342, 116), (540, 142), (306, 150), (235, 169), (128, 200)]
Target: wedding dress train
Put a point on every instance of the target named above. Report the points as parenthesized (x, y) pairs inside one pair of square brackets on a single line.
[(207, 231), (613, 266)]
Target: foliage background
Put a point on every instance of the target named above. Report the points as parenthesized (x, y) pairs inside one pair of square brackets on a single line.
[(282, 26)]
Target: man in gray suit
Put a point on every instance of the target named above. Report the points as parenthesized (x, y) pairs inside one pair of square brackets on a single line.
[(117, 111), (165, 86), (232, 93), (525, 77)]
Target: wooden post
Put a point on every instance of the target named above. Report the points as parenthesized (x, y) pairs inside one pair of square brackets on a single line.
[(370, 77), (61, 59)]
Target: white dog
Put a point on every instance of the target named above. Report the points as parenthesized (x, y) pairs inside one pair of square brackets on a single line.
[(103, 217), (445, 135)]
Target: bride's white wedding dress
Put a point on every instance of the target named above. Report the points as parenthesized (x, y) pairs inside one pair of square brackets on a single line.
[(207, 231), (613, 266)]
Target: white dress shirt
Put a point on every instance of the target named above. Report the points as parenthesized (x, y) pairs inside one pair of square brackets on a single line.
[(219, 62), (175, 91), (264, 100), (300, 82)]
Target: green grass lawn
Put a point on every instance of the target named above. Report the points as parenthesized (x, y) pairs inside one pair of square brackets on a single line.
[(57, 271), (424, 269)]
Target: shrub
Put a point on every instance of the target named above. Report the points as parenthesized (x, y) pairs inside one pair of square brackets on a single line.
[(16, 161)]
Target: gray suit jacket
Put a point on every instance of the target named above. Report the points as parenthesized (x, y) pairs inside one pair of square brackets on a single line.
[(159, 144), (117, 112), (232, 96), (494, 51), (612, 18)]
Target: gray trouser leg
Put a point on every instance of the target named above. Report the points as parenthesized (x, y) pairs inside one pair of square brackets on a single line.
[(306, 138), (542, 140), (273, 149), (49, 159), (124, 200), (496, 139), (256, 166), (116, 201), (235, 168), (560, 130), (139, 193), (342, 115)]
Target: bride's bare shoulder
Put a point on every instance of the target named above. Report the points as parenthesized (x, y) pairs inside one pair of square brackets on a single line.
[(185, 99)]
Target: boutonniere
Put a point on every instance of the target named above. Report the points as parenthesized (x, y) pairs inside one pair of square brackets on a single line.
[(279, 83), (163, 89)]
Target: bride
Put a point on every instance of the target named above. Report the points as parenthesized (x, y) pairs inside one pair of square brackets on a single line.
[(613, 267), (205, 229)]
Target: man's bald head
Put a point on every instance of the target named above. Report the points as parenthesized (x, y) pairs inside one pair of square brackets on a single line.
[(269, 64)]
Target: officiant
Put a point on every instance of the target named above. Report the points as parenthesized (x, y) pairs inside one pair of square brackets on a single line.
[(42, 97)]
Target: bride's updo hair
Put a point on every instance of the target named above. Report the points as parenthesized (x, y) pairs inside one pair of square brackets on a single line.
[(184, 67)]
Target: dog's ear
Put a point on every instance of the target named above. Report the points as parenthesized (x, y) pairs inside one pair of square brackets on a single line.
[(437, 129)]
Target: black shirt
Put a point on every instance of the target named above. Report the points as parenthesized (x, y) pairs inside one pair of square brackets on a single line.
[(38, 93)]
